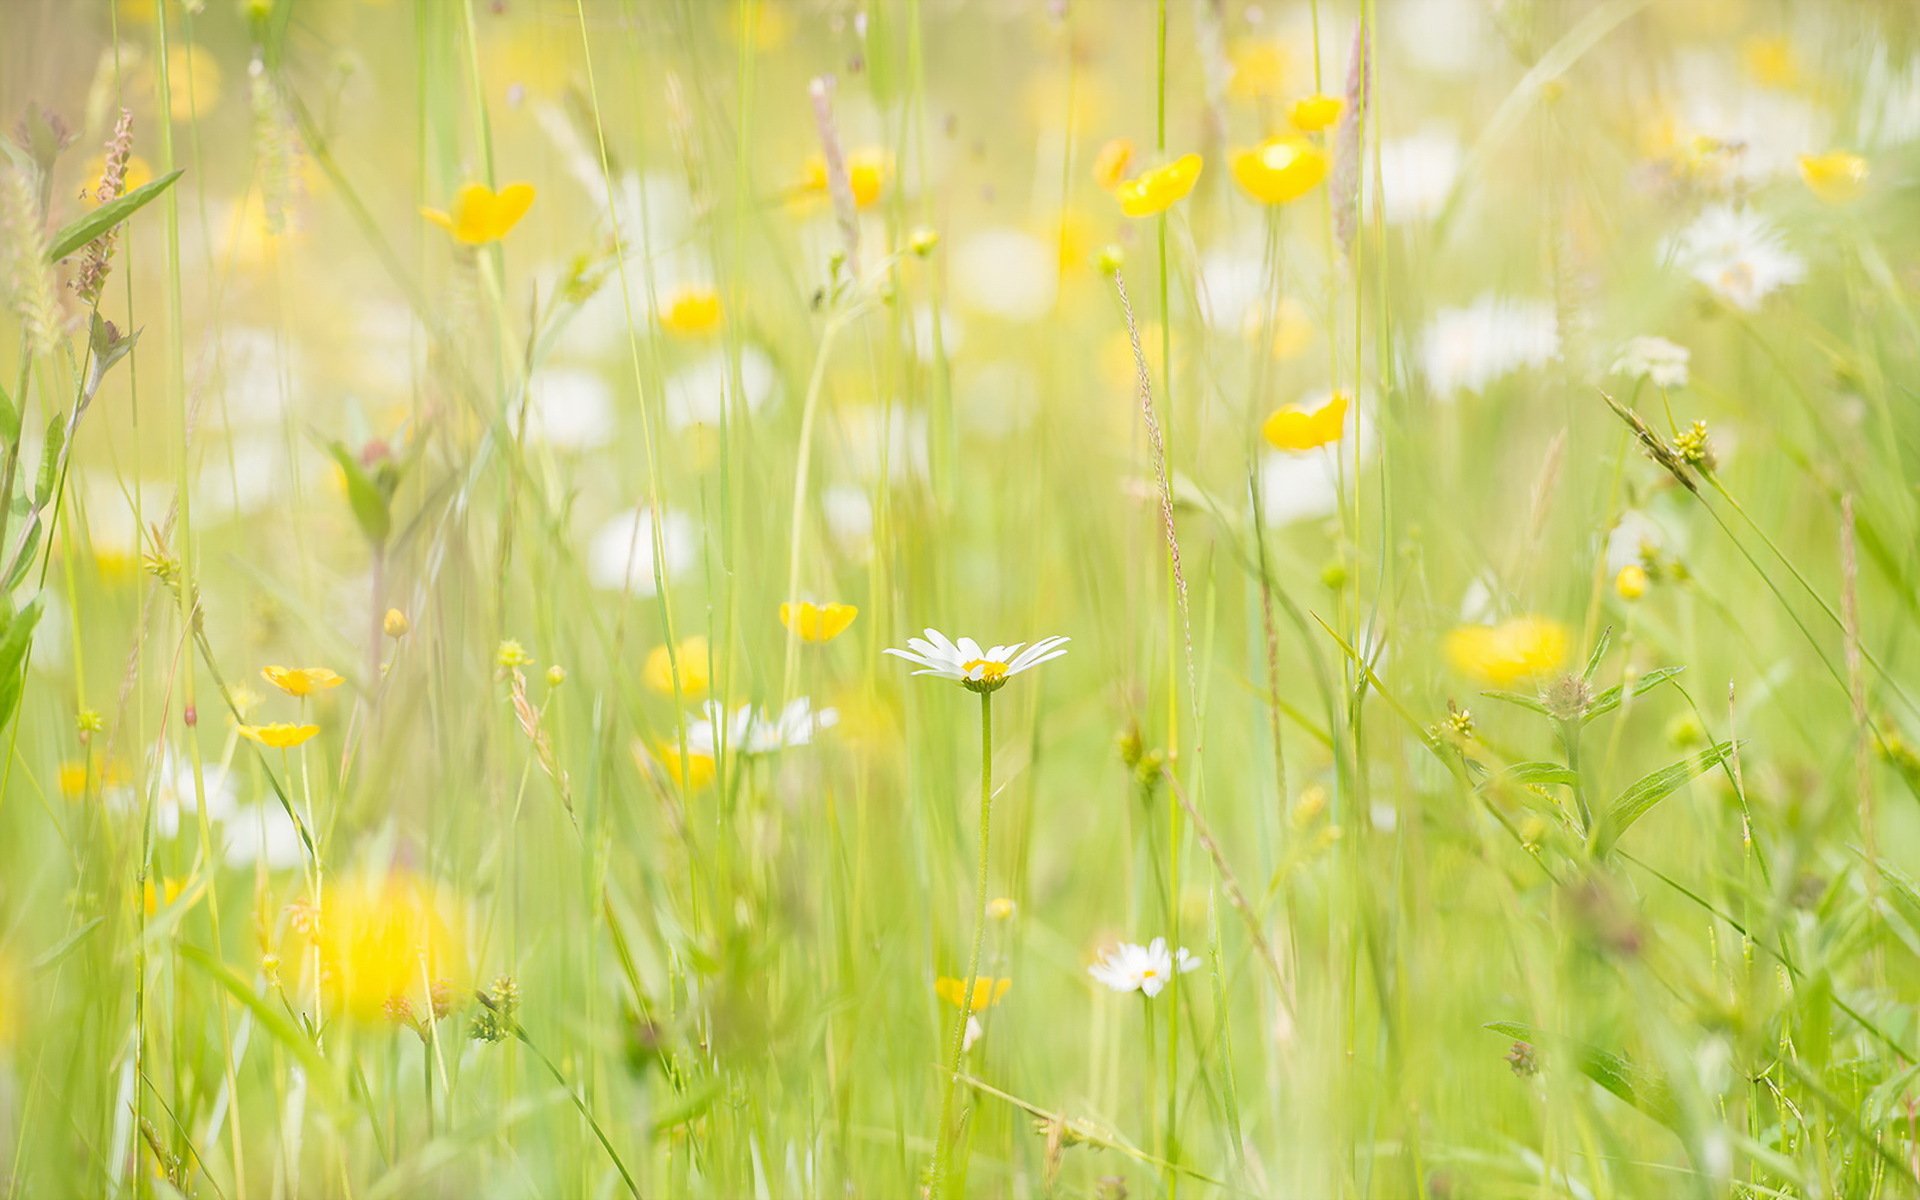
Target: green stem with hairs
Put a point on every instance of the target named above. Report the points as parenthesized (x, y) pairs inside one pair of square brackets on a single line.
[(942, 1145)]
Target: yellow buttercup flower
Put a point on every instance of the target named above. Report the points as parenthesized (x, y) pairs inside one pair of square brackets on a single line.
[(1631, 582), (657, 672), (817, 622), (163, 894), (1110, 165), (697, 772), (481, 215), (1158, 190), (985, 993), (1280, 169), (1836, 176), (1771, 61), (301, 681), (1310, 114), (388, 944), (1511, 652), (1258, 68), (72, 779), (280, 735), (691, 312), (866, 176), (1301, 429)]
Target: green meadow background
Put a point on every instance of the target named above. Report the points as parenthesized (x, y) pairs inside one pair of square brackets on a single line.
[(1531, 771)]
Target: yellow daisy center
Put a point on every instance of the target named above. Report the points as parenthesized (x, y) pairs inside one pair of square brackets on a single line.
[(989, 671)]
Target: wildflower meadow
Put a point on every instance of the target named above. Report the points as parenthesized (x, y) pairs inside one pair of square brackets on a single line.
[(1115, 599)]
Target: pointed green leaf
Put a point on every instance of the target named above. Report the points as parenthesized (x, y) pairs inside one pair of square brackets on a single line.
[(50, 460), (9, 418), (1599, 652), (84, 229), (1638, 800), (369, 502), (13, 656), (1610, 699), (1533, 772), (1521, 699), (273, 1020)]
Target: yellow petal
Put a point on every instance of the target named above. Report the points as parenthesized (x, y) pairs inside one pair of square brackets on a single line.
[(1158, 190), (1280, 170)]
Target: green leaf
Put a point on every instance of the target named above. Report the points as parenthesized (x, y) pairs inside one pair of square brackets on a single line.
[(1534, 772), (23, 555), (1521, 699), (1644, 1090), (84, 229), (50, 460), (368, 500), (66, 946), (1638, 800), (9, 418), (1599, 652), (13, 656), (1610, 699)]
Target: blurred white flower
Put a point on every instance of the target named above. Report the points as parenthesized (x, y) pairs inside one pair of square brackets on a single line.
[(1007, 273), (1764, 130), (849, 517), (697, 394), (1417, 174), (257, 374), (620, 556), (262, 833), (1653, 358), (1467, 349), (1739, 255), (952, 335), (751, 730), (1447, 37), (885, 441), (570, 408), (1131, 968)]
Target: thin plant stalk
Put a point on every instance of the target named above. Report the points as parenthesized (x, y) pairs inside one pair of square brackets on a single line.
[(942, 1144)]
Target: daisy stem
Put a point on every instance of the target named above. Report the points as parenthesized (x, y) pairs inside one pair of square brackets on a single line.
[(942, 1150)]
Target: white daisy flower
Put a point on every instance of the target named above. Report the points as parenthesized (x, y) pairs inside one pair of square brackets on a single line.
[(1131, 968), (977, 670), (1654, 358), (1737, 253), (620, 555), (751, 730), (1417, 174)]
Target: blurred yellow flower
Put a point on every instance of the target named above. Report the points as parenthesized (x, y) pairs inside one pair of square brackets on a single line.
[(193, 81), (1770, 61), (1280, 169), (395, 624), (1310, 114), (1001, 907), (1631, 582), (866, 176), (389, 942), (657, 672), (159, 896), (280, 735), (1300, 429), (139, 173), (1158, 190), (984, 994), (301, 681), (691, 312), (1513, 651), (1110, 164), (481, 215), (1258, 69), (697, 773), (1836, 176), (72, 779), (817, 622)]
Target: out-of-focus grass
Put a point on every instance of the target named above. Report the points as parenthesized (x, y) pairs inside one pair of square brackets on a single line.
[(1525, 770)]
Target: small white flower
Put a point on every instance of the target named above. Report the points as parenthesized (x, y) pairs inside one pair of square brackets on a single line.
[(974, 1030), (977, 670), (569, 408), (749, 730), (1131, 968), (1468, 349), (1417, 174), (699, 393), (1654, 358), (1738, 254), (1006, 273), (262, 833)]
